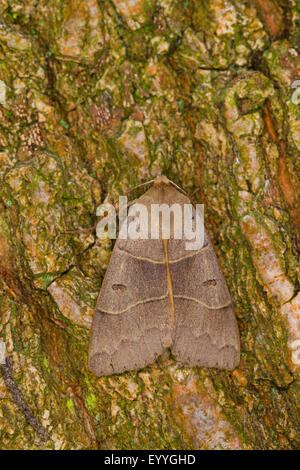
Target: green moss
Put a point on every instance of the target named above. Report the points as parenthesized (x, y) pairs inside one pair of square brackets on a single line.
[(70, 405), (64, 124), (91, 401)]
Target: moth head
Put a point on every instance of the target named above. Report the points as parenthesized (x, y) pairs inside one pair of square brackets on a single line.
[(161, 179)]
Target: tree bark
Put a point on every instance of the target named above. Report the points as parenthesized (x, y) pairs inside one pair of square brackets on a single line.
[(97, 97)]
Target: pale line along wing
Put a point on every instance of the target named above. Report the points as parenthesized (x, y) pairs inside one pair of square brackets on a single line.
[(206, 331), (131, 326)]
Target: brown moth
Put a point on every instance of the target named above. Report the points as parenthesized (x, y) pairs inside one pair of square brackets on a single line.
[(156, 294)]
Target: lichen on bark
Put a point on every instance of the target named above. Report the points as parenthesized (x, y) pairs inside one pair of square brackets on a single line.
[(94, 99)]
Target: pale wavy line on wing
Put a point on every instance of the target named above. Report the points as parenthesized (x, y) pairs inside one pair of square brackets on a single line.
[(193, 299), (151, 299), (144, 258)]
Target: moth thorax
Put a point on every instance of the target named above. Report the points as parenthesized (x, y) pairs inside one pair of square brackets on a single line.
[(161, 179)]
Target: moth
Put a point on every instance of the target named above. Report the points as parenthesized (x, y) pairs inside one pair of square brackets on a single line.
[(157, 294)]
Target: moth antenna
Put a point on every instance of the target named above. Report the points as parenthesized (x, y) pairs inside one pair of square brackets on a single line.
[(182, 191), (82, 230), (152, 181), (138, 186)]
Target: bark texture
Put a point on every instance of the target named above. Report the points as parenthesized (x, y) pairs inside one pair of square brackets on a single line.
[(96, 97)]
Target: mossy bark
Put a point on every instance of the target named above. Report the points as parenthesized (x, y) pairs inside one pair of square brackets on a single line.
[(96, 98)]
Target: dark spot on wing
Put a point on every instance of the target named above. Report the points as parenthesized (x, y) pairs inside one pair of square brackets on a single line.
[(210, 282), (118, 287)]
